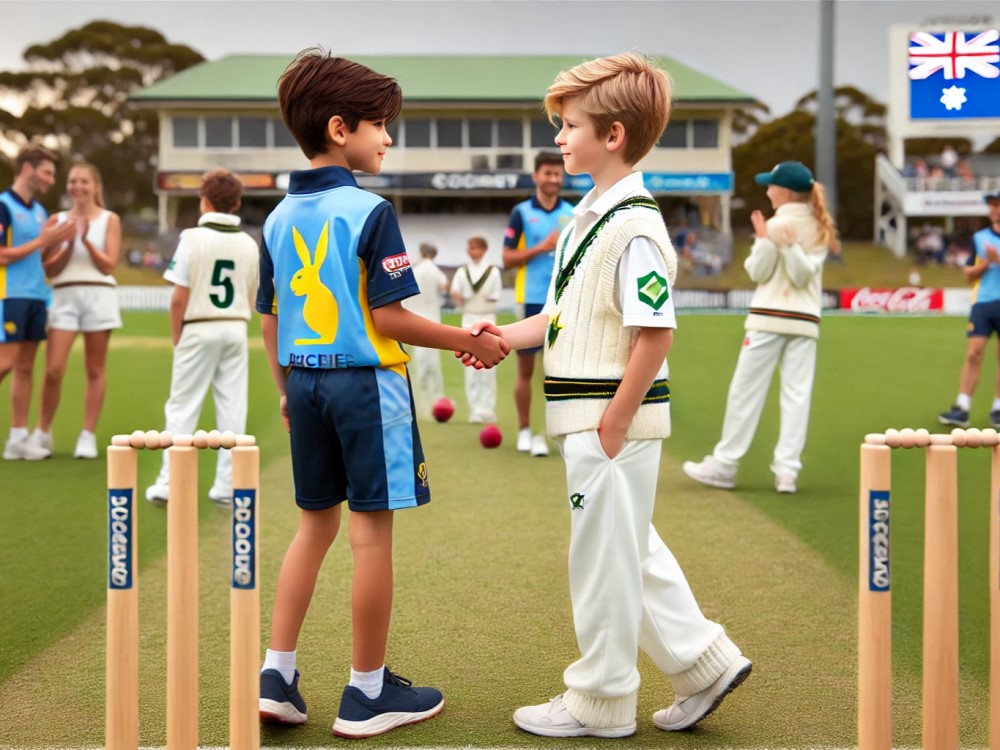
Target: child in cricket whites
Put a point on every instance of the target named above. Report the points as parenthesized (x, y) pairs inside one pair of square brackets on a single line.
[(334, 272), (606, 330), (214, 273), (476, 288)]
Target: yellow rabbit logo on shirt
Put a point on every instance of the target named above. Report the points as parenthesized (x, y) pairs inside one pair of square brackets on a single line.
[(320, 310)]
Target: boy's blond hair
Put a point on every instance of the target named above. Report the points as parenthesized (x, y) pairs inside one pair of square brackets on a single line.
[(627, 88)]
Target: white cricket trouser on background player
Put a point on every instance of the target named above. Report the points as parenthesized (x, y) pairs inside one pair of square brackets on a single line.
[(760, 354), (627, 589), (209, 354), (480, 385), (425, 371)]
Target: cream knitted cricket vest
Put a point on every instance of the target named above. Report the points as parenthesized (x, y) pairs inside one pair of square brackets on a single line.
[(586, 343)]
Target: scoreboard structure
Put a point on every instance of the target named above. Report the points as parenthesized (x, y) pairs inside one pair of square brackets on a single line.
[(944, 81)]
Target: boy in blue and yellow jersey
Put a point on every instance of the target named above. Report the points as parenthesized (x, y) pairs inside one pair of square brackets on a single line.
[(607, 327), (25, 232), (983, 269), (333, 273), (528, 246)]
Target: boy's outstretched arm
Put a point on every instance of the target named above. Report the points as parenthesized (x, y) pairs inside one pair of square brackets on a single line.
[(523, 334), (645, 361), (398, 323)]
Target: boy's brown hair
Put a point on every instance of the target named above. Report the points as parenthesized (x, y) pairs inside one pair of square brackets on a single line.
[(223, 190), (317, 86), (627, 88), (34, 155), (478, 242)]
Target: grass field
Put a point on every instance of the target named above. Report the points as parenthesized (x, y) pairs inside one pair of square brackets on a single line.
[(481, 598)]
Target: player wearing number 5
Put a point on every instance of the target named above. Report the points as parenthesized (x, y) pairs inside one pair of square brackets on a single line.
[(214, 272)]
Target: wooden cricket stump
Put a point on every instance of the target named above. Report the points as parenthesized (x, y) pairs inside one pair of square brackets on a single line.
[(940, 629), (122, 717)]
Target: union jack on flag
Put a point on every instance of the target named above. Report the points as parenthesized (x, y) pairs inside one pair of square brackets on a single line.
[(954, 54)]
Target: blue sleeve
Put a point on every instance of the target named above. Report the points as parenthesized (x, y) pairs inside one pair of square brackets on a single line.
[(4, 224), (381, 249), (265, 289), (515, 228)]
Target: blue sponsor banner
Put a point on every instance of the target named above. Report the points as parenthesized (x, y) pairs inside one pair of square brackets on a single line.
[(954, 75), (244, 539), (668, 182), (878, 540), (121, 536), (655, 182)]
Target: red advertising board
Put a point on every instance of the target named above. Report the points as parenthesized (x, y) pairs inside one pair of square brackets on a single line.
[(907, 299)]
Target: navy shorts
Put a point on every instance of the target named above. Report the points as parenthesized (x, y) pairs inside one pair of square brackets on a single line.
[(23, 320), (354, 438), (529, 310), (984, 319)]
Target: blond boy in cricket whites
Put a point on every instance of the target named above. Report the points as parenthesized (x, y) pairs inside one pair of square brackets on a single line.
[(606, 330)]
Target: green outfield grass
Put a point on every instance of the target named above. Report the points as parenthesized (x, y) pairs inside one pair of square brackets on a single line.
[(481, 605)]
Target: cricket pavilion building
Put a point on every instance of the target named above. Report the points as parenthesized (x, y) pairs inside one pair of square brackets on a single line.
[(463, 149)]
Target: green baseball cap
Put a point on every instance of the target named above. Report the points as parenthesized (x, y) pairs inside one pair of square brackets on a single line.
[(793, 175)]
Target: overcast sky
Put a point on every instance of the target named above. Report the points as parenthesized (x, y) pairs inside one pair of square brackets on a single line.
[(766, 48)]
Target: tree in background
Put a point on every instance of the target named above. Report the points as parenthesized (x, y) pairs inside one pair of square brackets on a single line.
[(75, 91), (747, 120), (861, 134)]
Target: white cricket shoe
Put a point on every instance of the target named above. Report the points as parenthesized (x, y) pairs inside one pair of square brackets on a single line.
[(43, 440), (785, 484), (158, 494), (86, 445), (539, 447), (221, 495), (524, 439), (25, 449), (688, 710), (553, 719), (710, 472)]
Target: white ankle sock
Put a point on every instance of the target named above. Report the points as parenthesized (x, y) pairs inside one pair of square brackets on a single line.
[(17, 434), (963, 401), (42, 433), (996, 404), (281, 661), (369, 683)]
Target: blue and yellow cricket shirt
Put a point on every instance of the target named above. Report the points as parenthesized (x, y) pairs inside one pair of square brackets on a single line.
[(530, 223), (21, 223), (987, 288), (330, 253)]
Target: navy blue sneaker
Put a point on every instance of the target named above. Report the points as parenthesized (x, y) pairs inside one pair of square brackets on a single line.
[(400, 703), (995, 419), (280, 702), (955, 416)]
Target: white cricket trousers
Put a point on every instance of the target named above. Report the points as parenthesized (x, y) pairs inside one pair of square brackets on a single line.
[(760, 354), (480, 385), (209, 354), (627, 589), (424, 368)]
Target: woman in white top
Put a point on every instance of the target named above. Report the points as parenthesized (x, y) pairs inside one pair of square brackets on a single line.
[(84, 300)]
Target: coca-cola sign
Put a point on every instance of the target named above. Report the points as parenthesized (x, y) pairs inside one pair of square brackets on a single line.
[(907, 299)]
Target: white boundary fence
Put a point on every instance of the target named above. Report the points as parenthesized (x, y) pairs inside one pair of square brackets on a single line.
[(956, 301)]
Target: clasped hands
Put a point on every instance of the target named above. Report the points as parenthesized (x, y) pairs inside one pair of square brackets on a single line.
[(487, 347)]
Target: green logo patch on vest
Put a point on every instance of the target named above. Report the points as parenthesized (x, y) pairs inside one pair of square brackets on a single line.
[(653, 290), (576, 500)]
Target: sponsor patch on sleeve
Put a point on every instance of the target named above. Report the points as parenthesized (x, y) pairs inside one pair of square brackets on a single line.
[(509, 233), (395, 264)]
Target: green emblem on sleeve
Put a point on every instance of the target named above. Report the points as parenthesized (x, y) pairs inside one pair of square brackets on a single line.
[(653, 290), (553, 333)]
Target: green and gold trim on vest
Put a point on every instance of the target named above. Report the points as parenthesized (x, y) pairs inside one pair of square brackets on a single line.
[(220, 227), (566, 389), (565, 273), (477, 285), (789, 314)]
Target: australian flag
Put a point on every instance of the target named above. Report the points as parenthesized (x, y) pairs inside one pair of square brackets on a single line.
[(954, 75)]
